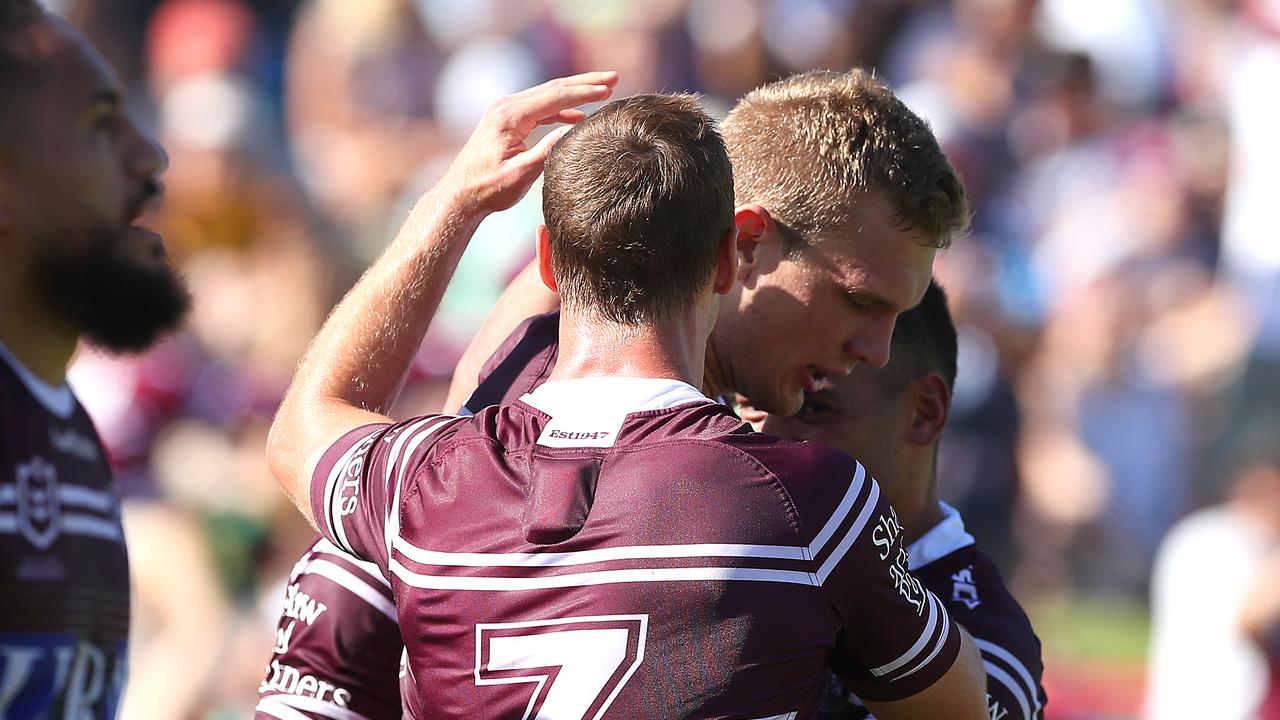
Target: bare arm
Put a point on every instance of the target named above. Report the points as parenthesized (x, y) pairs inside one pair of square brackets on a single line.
[(960, 694), (359, 359), (525, 297)]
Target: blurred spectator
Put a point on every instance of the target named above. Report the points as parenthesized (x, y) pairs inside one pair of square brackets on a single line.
[(1215, 601)]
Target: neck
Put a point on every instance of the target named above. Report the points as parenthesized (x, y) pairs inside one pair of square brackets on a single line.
[(920, 512), (715, 376), (39, 340), (590, 347)]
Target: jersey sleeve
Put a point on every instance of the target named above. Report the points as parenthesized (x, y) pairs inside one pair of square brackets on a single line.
[(897, 638), (356, 486), (337, 643)]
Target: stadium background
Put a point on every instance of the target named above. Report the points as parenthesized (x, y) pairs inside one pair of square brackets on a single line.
[(1117, 298)]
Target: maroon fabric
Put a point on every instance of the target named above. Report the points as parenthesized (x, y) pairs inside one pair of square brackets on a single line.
[(64, 573), (337, 642), (977, 599), (625, 620), (520, 364)]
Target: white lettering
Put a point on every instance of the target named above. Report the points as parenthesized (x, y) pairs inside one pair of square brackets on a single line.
[(886, 532), (301, 606), (88, 680), (291, 681), (283, 636)]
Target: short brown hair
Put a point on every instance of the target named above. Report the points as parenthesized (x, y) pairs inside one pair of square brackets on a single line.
[(808, 146), (636, 199)]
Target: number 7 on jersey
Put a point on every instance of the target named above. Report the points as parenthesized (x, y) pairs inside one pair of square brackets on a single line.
[(577, 665)]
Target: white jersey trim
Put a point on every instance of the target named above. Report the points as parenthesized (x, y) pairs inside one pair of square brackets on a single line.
[(829, 565), (590, 411), (69, 496), (587, 557), (396, 468), (324, 547), (287, 707), (942, 539), (994, 672), (916, 649), (354, 584), (600, 577), (841, 511), (58, 399), (331, 485), (72, 524), (996, 651)]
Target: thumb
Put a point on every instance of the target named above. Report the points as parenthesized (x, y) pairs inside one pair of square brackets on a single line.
[(539, 152)]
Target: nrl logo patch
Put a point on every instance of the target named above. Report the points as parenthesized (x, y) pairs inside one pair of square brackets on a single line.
[(39, 514)]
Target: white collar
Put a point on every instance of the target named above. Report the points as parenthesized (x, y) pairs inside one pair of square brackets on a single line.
[(942, 539), (56, 399), (588, 412)]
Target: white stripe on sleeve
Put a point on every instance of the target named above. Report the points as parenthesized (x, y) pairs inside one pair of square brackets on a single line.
[(842, 510), (1009, 658), (346, 579), (395, 471), (1019, 694), (916, 649), (331, 486), (829, 565)]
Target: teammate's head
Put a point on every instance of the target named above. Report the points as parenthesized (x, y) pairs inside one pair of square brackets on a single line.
[(637, 200), (843, 198), (889, 418), (75, 174)]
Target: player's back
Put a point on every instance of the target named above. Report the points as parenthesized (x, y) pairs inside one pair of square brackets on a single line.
[(559, 557)]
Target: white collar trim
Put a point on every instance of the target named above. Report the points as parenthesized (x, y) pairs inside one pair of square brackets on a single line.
[(943, 539), (588, 412), (56, 399)]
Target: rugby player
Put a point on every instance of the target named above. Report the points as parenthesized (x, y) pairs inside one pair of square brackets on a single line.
[(891, 420), (829, 225), (571, 552), (76, 174)]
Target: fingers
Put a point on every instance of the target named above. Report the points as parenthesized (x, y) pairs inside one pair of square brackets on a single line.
[(570, 116), (537, 105), (538, 153)]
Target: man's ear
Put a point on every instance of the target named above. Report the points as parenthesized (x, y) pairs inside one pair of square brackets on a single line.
[(545, 270), (726, 262), (755, 228), (930, 408)]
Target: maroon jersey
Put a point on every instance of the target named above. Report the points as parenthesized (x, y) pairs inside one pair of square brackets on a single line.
[(626, 547), (337, 650), (948, 562), (64, 574), (520, 364), (353, 638)]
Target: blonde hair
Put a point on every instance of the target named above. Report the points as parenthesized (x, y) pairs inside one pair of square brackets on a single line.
[(809, 146)]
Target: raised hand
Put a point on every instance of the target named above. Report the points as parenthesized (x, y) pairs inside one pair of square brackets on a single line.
[(495, 168)]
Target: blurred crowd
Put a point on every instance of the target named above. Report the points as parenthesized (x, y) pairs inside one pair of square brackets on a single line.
[(1119, 296)]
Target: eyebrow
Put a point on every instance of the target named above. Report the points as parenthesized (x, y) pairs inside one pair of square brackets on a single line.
[(866, 296)]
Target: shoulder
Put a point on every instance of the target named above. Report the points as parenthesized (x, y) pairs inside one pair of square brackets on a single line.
[(820, 481), (360, 582), (977, 598)]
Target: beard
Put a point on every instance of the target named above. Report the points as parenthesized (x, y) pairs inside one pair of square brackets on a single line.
[(117, 303)]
